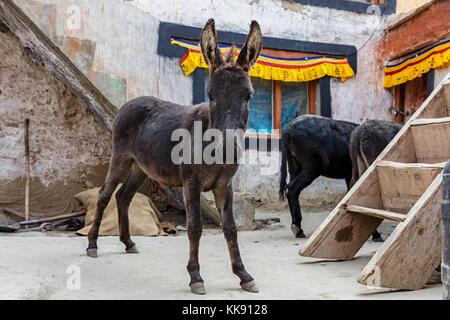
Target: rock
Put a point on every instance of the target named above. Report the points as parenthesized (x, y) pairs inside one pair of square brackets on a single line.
[(244, 212)]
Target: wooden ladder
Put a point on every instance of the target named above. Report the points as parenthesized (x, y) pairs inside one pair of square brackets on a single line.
[(404, 185)]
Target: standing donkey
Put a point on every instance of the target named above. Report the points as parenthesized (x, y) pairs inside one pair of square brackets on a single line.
[(142, 146)]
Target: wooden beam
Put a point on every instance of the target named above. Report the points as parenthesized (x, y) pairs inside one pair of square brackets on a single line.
[(438, 106), (383, 214), (401, 186), (419, 122), (342, 234), (431, 141), (277, 105), (399, 98), (392, 164), (312, 97)]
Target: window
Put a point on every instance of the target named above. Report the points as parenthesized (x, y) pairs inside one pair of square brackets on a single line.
[(260, 118), (274, 103)]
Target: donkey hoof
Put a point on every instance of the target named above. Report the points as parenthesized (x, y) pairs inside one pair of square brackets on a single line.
[(92, 252), (298, 233), (294, 229), (132, 249), (250, 286), (197, 288)]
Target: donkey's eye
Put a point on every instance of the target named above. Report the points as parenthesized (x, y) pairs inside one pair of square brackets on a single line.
[(211, 98), (248, 96)]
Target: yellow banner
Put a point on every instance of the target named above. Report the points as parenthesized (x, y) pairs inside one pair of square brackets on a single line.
[(437, 56), (272, 68)]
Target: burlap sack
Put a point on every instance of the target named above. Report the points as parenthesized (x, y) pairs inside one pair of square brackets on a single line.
[(143, 219)]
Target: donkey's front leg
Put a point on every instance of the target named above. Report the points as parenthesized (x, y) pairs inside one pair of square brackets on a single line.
[(191, 192), (224, 203)]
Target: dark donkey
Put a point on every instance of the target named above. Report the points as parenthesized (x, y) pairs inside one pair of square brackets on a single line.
[(366, 143), (313, 146), (142, 145)]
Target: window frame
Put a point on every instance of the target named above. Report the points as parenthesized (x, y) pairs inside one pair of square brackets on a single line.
[(276, 108)]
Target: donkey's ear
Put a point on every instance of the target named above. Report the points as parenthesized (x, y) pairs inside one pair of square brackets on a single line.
[(208, 43), (250, 52)]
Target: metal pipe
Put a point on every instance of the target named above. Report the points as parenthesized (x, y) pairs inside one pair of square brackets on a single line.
[(445, 208)]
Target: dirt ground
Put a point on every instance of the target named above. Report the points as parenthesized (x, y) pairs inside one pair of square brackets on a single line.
[(37, 265)]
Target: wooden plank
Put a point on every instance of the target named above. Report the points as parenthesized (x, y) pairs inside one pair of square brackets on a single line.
[(425, 121), (432, 142), (312, 97), (342, 233), (277, 105), (399, 102), (411, 253), (437, 108), (342, 237), (383, 214), (402, 150), (400, 187), (384, 163)]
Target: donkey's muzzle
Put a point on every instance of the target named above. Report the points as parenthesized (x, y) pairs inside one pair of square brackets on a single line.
[(231, 150)]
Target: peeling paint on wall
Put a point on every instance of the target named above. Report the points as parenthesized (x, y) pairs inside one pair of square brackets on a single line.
[(67, 145)]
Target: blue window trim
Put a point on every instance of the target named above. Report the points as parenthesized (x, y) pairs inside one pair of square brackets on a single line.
[(349, 5)]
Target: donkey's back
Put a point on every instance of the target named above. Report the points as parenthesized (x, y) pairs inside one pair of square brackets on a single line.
[(143, 129)]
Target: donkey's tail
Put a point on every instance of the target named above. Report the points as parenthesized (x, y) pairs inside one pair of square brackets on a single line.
[(283, 169), (354, 149)]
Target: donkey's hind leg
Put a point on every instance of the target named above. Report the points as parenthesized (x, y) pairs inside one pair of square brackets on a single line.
[(115, 172), (135, 179)]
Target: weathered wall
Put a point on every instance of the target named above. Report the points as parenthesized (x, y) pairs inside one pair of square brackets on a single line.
[(422, 29), (114, 44), (254, 182), (439, 75), (407, 5), (69, 149)]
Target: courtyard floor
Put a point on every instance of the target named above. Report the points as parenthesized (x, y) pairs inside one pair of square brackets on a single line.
[(36, 265)]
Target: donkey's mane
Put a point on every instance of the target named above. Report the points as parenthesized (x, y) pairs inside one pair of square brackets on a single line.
[(229, 63), (230, 57)]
